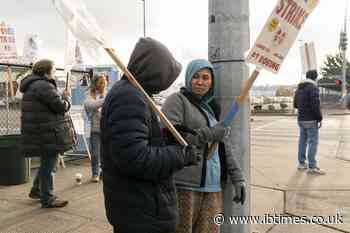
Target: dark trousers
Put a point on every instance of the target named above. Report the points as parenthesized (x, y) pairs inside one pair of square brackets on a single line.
[(44, 177)]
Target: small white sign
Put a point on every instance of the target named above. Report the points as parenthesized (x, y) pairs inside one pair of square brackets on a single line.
[(31, 49), (308, 57), (8, 49), (279, 33)]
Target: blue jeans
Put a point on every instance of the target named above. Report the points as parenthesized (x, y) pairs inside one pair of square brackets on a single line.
[(43, 181), (308, 138), (95, 143)]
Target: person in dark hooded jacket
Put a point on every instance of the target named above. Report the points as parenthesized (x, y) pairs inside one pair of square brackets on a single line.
[(45, 128), (307, 101), (137, 164)]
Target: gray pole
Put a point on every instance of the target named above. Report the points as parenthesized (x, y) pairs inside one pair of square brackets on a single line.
[(228, 40), (344, 54), (144, 18)]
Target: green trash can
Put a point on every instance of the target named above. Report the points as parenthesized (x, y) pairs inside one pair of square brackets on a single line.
[(14, 167)]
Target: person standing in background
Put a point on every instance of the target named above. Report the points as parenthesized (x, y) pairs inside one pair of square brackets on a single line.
[(46, 128), (92, 106), (307, 101)]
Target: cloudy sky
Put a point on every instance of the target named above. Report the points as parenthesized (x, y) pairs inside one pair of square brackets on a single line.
[(181, 25)]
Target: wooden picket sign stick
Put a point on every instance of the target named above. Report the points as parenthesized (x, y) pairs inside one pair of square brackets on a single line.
[(87, 147), (9, 77), (234, 109), (133, 81), (67, 86)]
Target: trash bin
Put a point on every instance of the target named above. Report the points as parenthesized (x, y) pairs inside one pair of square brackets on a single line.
[(14, 168)]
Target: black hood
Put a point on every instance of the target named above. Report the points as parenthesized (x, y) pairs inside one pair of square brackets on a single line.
[(153, 66), (28, 80)]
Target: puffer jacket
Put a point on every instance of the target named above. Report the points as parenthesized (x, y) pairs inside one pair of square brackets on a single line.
[(45, 124), (184, 108), (137, 166), (307, 101)]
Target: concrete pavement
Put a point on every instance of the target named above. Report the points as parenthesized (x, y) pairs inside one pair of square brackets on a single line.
[(277, 187)]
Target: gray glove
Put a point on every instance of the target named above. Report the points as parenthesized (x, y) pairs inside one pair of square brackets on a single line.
[(240, 192), (191, 156), (208, 134)]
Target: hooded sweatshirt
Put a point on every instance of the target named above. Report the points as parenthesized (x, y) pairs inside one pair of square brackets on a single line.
[(137, 167), (307, 101)]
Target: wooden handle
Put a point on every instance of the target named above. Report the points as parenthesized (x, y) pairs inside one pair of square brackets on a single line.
[(9, 77), (239, 100), (133, 81), (247, 85)]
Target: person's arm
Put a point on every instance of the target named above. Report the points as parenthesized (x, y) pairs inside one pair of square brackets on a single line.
[(295, 99), (173, 108), (315, 103), (128, 128), (234, 172), (47, 94)]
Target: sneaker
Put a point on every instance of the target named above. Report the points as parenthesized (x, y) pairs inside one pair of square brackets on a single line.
[(54, 202), (34, 195), (302, 166), (315, 171), (95, 179)]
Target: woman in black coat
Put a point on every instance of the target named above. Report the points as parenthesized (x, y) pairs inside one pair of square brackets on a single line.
[(45, 128)]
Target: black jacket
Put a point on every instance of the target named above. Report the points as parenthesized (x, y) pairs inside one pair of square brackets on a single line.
[(45, 126), (137, 166), (307, 101)]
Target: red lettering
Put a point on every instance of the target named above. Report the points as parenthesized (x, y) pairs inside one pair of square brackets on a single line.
[(291, 12), (280, 7), (3, 39), (289, 2), (269, 63)]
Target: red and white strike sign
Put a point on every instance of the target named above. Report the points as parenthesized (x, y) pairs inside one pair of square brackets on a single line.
[(279, 33)]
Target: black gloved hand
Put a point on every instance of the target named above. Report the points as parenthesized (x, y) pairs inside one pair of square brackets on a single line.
[(240, 192), (220, 131), (192, 156)]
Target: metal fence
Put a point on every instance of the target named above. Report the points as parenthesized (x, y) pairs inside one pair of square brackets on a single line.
[(10, 97)]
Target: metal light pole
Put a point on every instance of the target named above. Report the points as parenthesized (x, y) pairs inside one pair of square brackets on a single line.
[(228, 41), (343, 44), (301, 41), (144, 18)]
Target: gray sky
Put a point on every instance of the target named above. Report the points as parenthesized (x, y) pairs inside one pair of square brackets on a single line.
[(181, 25)]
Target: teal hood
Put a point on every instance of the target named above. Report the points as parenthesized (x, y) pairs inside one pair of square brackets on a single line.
[(192, 68)]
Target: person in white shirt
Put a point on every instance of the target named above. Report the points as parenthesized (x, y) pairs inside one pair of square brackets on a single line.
[(92, 106)]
